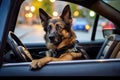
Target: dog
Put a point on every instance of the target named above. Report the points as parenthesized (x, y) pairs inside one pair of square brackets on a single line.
[(60, 38)]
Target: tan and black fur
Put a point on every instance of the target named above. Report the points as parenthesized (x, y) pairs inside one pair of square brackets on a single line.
[(58, 35)]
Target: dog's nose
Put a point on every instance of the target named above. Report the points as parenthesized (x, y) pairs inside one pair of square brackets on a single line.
[(52, 37)]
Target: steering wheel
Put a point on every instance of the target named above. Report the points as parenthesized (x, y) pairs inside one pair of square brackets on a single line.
[(20, 51)]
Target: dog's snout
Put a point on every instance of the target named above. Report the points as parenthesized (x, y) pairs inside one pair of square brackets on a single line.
[(52, 37)]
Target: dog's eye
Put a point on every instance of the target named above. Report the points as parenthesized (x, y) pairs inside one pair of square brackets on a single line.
[(59, 27), (49, 27)]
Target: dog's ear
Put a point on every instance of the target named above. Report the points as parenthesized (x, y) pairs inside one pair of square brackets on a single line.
[(43, 15), (66, 14)]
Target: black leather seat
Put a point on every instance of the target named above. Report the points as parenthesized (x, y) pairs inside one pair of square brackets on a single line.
[(110, 48)]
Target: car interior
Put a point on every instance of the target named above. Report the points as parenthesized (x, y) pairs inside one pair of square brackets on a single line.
[(104, 54), (19, 52), (108, 49)]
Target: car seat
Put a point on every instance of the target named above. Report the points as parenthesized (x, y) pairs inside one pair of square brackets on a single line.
[(110, 47)]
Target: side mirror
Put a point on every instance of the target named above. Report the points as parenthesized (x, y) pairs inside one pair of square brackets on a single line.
[(108, 28), (108, 32)]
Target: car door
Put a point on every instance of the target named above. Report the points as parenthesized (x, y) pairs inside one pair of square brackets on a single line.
[(101, 67)]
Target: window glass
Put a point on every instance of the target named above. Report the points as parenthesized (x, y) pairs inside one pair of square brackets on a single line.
[(99, 34), (106, 27), (30, 30), (114, 3)]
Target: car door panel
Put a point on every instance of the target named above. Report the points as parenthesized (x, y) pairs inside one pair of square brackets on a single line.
[(65, 68)]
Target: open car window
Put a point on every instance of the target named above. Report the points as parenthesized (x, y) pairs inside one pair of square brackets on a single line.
[(29, 29)]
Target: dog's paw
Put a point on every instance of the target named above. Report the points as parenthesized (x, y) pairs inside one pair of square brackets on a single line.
[(39, 63), (35, 64)]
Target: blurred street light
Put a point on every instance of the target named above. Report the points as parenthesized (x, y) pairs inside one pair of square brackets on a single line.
[(55, 13), (40, 0), (32, 8), (27, 8), (87, 27), (52, 1), (92, 13), (28, 15), (76, 13)]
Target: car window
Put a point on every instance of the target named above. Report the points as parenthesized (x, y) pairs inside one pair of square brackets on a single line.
[(105, 24), (114, 3), (29, 28)]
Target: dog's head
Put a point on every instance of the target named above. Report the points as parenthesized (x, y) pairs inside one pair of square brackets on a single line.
[(57, 29)]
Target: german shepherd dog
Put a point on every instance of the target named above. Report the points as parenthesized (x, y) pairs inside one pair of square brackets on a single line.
[(60, 38)]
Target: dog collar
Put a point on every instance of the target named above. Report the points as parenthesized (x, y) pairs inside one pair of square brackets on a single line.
[(70, 48)]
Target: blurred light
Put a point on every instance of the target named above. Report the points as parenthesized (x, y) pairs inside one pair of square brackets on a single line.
[(76, 13), (32, 8), (101, 60), (55, 13), (28, 15), (52, 1), (87, 27), (27, 8), (92, 13), (40, 0), (103, 24)]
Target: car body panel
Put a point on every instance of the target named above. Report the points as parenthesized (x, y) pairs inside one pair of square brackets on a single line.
[(8, 12), (65, 68), (3, 35)]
